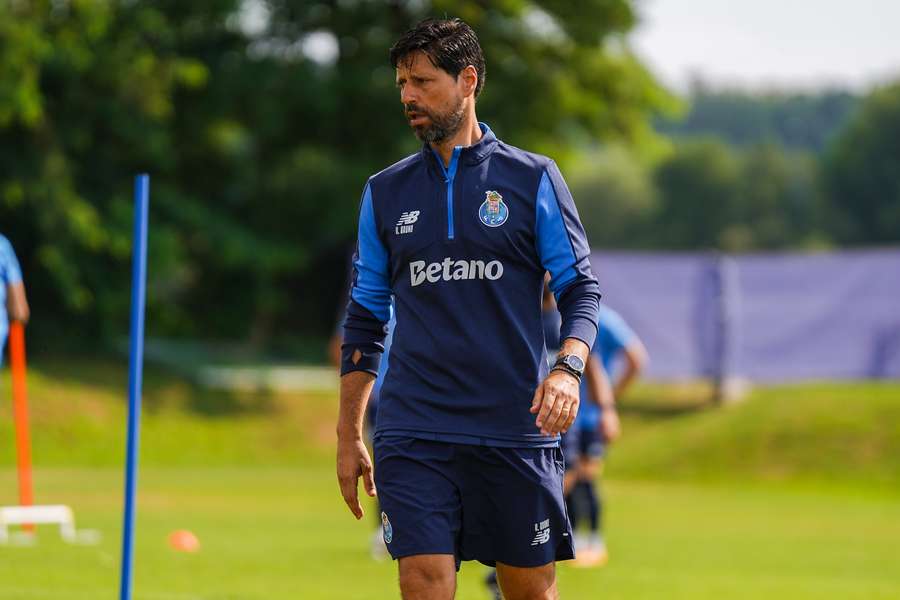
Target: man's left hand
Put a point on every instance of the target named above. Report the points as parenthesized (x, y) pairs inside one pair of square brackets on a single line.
[(556, 402)]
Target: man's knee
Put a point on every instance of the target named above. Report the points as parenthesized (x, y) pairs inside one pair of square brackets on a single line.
[(533, 583), (427, 577)]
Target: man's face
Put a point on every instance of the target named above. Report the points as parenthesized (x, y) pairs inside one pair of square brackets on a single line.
[(432, 98)]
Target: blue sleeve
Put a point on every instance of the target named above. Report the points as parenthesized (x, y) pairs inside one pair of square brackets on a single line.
[(369, 308), (616, 330), (10, 272), (564, 252)]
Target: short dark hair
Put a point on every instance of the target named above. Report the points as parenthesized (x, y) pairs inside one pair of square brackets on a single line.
[(450, 44)]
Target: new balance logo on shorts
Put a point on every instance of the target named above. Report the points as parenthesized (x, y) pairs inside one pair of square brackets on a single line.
[(449, 269), (406, 221), (542, 532)]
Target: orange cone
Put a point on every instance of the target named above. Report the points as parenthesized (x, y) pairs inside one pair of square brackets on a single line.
[(183, 540)]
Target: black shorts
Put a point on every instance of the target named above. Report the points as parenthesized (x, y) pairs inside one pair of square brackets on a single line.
[(475, 502), (578, 443)]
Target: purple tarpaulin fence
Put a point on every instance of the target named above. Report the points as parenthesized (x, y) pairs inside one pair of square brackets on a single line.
[(764, 317)]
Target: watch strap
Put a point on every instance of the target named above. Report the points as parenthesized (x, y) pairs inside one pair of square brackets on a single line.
[(564, 367)]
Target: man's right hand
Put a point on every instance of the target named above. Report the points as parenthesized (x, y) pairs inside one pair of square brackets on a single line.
[(610, 426), (353, 462)]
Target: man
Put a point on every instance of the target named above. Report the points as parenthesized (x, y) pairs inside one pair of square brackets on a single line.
[(13, 303), (596, 426), (468, 465)]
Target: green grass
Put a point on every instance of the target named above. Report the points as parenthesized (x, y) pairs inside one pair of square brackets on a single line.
[(790, 495), (844, 434)]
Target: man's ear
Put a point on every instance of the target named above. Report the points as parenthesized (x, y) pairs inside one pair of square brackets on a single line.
[(469, 79)]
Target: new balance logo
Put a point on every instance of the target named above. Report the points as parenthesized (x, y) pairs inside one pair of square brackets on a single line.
[(542, 533), (406, 221), (450, 270)]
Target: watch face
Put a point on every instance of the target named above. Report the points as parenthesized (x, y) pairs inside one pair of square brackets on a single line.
[(575, 362)]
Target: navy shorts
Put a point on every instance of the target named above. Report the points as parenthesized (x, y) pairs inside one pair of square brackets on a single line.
[(581, 442), (475, 502)]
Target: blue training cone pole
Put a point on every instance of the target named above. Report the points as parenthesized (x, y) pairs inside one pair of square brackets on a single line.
[(135, 374)]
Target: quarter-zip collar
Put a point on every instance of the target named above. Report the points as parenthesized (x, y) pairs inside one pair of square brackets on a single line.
[(468, 155), (449, 175)]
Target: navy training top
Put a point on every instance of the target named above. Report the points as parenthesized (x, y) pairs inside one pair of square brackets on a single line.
[(463, 251)]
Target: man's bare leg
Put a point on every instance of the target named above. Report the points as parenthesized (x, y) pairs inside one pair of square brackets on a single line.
[(531, 583), (428, 577)]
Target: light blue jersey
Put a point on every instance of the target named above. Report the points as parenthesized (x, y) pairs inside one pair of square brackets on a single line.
[(613, 336), (10, 274)]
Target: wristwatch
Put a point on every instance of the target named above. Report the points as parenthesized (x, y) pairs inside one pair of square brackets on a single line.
[(571, 363)]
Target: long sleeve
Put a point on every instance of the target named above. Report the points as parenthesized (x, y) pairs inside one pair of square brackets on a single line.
[(369, 308), (564, 252)]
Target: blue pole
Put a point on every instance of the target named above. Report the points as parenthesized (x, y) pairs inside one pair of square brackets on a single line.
[(135, 374)]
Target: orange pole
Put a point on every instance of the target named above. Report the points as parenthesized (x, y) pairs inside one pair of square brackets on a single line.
[(20, 412)]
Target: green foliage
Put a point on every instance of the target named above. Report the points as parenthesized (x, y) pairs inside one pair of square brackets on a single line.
[(776, 171), (798, 121), (698, 194), (616, 197), (259, 133), (258, 137), (705, 194), (862, 172), (778, 205)]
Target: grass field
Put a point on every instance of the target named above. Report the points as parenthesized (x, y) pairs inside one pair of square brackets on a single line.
[(792, 494)]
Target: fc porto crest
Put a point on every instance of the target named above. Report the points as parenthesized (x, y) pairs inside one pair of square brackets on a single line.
[(386, 528), (493, 211)]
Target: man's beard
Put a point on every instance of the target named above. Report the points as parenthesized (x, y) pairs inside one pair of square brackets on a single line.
[(441, 126)]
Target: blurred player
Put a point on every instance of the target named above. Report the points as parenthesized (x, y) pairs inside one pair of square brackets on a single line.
[(13, 303), (468, 465), (596, 426)]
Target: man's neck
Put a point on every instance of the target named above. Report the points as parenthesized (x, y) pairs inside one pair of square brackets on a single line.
[(468, 134)]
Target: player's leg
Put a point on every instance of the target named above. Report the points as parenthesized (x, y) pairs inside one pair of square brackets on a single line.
[(589, 491), (421, 514), (531, 583), (569, 446), (589, 470), (428, 577), (490, 580)]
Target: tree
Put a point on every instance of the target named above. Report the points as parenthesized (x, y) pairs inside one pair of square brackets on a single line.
[(797, 121), (698, 195), (862, 172), (777, 204), (258, 122), (712, 195), (616, 198)]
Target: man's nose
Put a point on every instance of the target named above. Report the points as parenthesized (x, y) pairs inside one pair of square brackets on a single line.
[(407, 95)]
